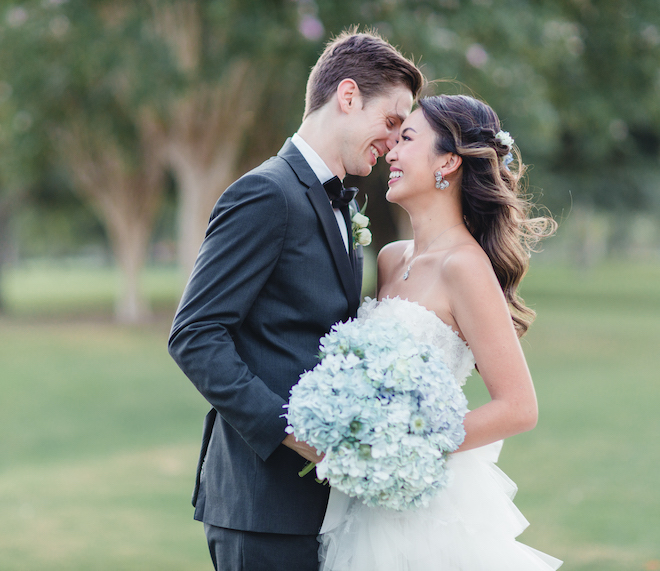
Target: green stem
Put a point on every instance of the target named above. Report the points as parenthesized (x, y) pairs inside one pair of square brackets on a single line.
[(307, 469)]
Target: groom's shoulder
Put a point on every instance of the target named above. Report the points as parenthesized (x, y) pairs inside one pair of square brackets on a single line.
[(279, 169), (268, 185), (275, 175), (275, 168), (279, 178), (269, 174), (289, 167)]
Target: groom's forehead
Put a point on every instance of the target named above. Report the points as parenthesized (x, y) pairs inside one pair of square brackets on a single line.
[(396, 106)]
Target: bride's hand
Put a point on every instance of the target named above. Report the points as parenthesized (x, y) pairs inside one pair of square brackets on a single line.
[(305, 450)]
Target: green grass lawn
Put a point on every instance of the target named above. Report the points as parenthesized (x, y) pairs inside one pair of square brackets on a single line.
[(100, 430), (99, 439), (591, 467), (46, 289)]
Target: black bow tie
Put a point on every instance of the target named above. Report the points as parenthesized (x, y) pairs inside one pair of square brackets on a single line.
[(339, 195)]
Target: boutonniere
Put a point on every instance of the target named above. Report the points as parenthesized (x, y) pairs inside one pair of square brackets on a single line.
[(360, 227)]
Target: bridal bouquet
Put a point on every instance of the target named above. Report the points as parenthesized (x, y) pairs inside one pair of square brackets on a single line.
[(384, 409)]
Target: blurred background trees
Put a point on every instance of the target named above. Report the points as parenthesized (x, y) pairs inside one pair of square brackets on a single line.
[(122, 122)]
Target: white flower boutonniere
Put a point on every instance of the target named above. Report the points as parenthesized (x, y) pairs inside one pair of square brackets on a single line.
[(360, 227)]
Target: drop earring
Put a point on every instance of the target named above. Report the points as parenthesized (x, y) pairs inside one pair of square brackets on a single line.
[(440, 181)]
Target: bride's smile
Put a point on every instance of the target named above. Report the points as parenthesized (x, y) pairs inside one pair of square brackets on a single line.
[(413, 163)]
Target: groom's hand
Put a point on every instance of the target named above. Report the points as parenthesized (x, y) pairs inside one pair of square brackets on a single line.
[(305, 450)]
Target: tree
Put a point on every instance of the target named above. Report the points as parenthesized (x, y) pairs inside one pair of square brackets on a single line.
[(200, 133), (9, 199), (125, 192), (576, 83), (209, 88), (79, 71), (124, 91), (230, 55), (20, 156)]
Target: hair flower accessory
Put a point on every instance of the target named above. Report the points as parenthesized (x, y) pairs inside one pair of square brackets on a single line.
[(505, 138)]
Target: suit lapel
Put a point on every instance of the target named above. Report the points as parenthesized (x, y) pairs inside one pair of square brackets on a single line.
[(352, 251), (319, 200)]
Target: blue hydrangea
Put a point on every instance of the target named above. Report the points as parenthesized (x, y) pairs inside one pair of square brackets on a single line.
[(384, 409)]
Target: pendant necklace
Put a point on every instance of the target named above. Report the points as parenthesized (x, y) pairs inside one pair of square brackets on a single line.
[(405, 275)]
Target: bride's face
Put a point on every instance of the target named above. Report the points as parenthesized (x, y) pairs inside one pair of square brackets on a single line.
[(413, 161)]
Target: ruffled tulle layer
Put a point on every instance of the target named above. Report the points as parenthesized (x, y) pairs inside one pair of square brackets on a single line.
[(470, 526)]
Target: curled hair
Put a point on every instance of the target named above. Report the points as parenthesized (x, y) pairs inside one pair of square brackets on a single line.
[(366, 58), (497, 212)]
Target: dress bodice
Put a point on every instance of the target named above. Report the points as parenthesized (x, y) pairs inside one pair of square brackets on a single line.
[(424, 325)]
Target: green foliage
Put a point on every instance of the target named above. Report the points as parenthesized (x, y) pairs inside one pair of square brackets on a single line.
[(102, 64), (80, 61), (576, 83), (605, 91)]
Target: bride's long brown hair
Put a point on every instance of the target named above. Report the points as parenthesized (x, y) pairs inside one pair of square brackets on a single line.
[(497, 212)]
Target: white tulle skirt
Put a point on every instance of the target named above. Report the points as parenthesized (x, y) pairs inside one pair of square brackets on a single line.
[(470, 526)]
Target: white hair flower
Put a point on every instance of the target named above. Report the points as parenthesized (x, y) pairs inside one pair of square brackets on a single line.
[(505, 138)]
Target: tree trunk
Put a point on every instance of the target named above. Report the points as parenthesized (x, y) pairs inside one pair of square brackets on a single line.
[(202, 134), (126, 199), (196, 199), (200, 140), (129, 237), (6, 207), (200, 186)]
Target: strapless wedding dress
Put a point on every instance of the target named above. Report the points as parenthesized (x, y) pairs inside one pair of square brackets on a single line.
[(470, 526)]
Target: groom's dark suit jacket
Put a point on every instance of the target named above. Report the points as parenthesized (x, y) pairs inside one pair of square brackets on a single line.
[(271, 278)]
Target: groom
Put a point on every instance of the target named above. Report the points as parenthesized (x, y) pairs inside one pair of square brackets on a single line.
[(277, 268)]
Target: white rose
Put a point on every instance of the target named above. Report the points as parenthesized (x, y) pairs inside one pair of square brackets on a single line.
[(505, 138), (360, 220), (363, 236)]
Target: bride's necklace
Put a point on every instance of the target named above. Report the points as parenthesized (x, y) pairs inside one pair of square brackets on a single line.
[(405, 275)]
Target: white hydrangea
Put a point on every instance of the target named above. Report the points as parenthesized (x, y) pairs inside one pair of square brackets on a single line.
[(384, 409)]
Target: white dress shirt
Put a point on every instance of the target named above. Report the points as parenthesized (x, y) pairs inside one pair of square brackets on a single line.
[(324, 174)]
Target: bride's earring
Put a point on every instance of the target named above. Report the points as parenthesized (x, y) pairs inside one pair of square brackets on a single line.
[(440, 182)]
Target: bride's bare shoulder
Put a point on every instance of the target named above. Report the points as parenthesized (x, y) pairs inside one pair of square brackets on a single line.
[(465, 262), (393, 249), (390, 260), (391, 254)]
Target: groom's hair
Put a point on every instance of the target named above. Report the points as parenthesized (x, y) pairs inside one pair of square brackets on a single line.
[(366, 58)]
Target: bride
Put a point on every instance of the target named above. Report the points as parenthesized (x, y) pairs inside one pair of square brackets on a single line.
[(455, 284)]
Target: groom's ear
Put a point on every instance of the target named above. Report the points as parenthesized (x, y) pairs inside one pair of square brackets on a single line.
[(348, 96)]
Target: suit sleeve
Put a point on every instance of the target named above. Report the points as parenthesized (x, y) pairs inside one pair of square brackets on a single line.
[(243, 242)]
